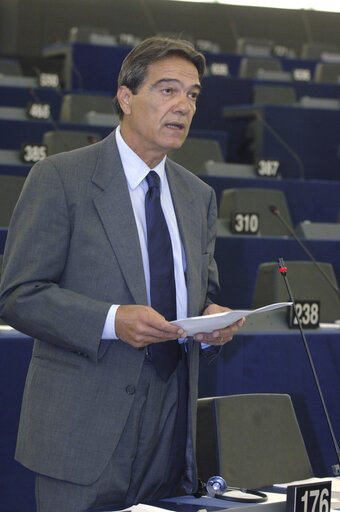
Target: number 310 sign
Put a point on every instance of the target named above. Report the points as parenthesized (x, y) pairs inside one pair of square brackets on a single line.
[(315, 497)]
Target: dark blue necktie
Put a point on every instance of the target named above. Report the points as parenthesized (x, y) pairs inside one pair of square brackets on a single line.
[(162, 280)]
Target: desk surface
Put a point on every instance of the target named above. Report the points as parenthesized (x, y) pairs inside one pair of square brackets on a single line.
[(276, 501)]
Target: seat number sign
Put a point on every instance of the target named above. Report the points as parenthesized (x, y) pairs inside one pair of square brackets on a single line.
[(315, 497), (308, 312), (268, 168), (244, 223), (31, 153), (48, 80), (39, 110)]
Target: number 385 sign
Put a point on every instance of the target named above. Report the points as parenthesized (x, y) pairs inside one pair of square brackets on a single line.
[(314, 497)]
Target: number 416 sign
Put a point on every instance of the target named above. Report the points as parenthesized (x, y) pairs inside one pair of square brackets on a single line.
[(315, 497)]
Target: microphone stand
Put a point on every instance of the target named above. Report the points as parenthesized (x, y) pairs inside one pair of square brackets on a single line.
[(275, 211), (283, 272), (282, 142), (51, 119)]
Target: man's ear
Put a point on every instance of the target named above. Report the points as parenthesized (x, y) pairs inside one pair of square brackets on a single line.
[(124, 95)]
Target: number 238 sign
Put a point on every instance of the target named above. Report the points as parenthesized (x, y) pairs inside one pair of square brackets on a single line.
[(314, 497)]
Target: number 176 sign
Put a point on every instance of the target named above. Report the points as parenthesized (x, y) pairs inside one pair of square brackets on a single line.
[(315, 497)]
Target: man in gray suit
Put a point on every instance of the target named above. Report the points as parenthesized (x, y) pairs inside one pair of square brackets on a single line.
[(98, 424)]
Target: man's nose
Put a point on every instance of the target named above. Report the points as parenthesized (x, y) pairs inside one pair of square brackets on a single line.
[(182, 104)]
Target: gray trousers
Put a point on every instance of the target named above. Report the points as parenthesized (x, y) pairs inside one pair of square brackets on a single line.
[(149, 460)]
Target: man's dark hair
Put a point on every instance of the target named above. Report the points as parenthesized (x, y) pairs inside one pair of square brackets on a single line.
[(135, 65)]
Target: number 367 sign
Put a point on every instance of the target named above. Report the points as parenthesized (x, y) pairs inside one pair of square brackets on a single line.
[(314, 497)]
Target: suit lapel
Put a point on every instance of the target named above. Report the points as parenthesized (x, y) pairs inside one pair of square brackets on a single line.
[(114, 208)]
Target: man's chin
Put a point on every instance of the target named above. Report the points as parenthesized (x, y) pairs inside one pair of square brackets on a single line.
[(177, 142)]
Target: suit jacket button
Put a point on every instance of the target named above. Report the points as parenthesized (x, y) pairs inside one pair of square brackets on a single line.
[(130, 389)]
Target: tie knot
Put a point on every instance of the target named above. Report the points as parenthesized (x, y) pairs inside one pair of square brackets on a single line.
[(153, 179)]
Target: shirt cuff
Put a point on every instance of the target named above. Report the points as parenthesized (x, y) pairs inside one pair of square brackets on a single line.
[(109, 332)]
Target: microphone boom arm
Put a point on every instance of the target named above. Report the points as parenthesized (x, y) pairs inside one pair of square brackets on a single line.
[(283, 272), (275, 211)]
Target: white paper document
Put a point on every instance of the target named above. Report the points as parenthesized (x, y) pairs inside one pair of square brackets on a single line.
[(142, 508), (209, 323)]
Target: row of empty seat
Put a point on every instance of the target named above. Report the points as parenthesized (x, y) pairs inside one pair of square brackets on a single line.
[(244, 45), (252, 452), (75, 108), (97, 109), (256, 58), (254, 204), (286, 95), (203, 156), (271, 69), (267, 47)]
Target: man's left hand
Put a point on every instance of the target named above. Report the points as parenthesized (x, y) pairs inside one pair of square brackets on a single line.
[(220, 336)]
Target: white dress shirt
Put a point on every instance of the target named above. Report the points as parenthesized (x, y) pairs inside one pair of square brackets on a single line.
[(136, 170)]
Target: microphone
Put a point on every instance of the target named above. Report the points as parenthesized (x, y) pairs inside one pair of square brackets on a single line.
[(216, 487), (283, 143), (78, 75), (275, 211), (283, 272)]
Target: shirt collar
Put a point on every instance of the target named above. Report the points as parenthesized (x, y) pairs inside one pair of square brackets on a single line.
[(135, 168)]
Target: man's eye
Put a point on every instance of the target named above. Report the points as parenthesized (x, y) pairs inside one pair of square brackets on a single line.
[(167, 90), (193, 96)]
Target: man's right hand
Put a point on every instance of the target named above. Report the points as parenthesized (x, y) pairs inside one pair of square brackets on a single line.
[(141, 325)]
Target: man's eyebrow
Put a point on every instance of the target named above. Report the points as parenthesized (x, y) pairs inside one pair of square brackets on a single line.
[(166, 80)]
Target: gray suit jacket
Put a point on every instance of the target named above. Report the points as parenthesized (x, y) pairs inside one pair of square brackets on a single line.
[(72, 251)]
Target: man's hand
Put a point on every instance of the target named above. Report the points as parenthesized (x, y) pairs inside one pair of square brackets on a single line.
[(141, 325), (220, 336)]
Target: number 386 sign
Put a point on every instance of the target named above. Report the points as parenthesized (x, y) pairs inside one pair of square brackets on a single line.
[(314, 497)]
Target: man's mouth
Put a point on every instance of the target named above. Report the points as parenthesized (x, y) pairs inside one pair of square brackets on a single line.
[(175, 126)]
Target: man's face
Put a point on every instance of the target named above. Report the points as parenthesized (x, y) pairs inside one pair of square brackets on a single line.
[(158, 117)]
